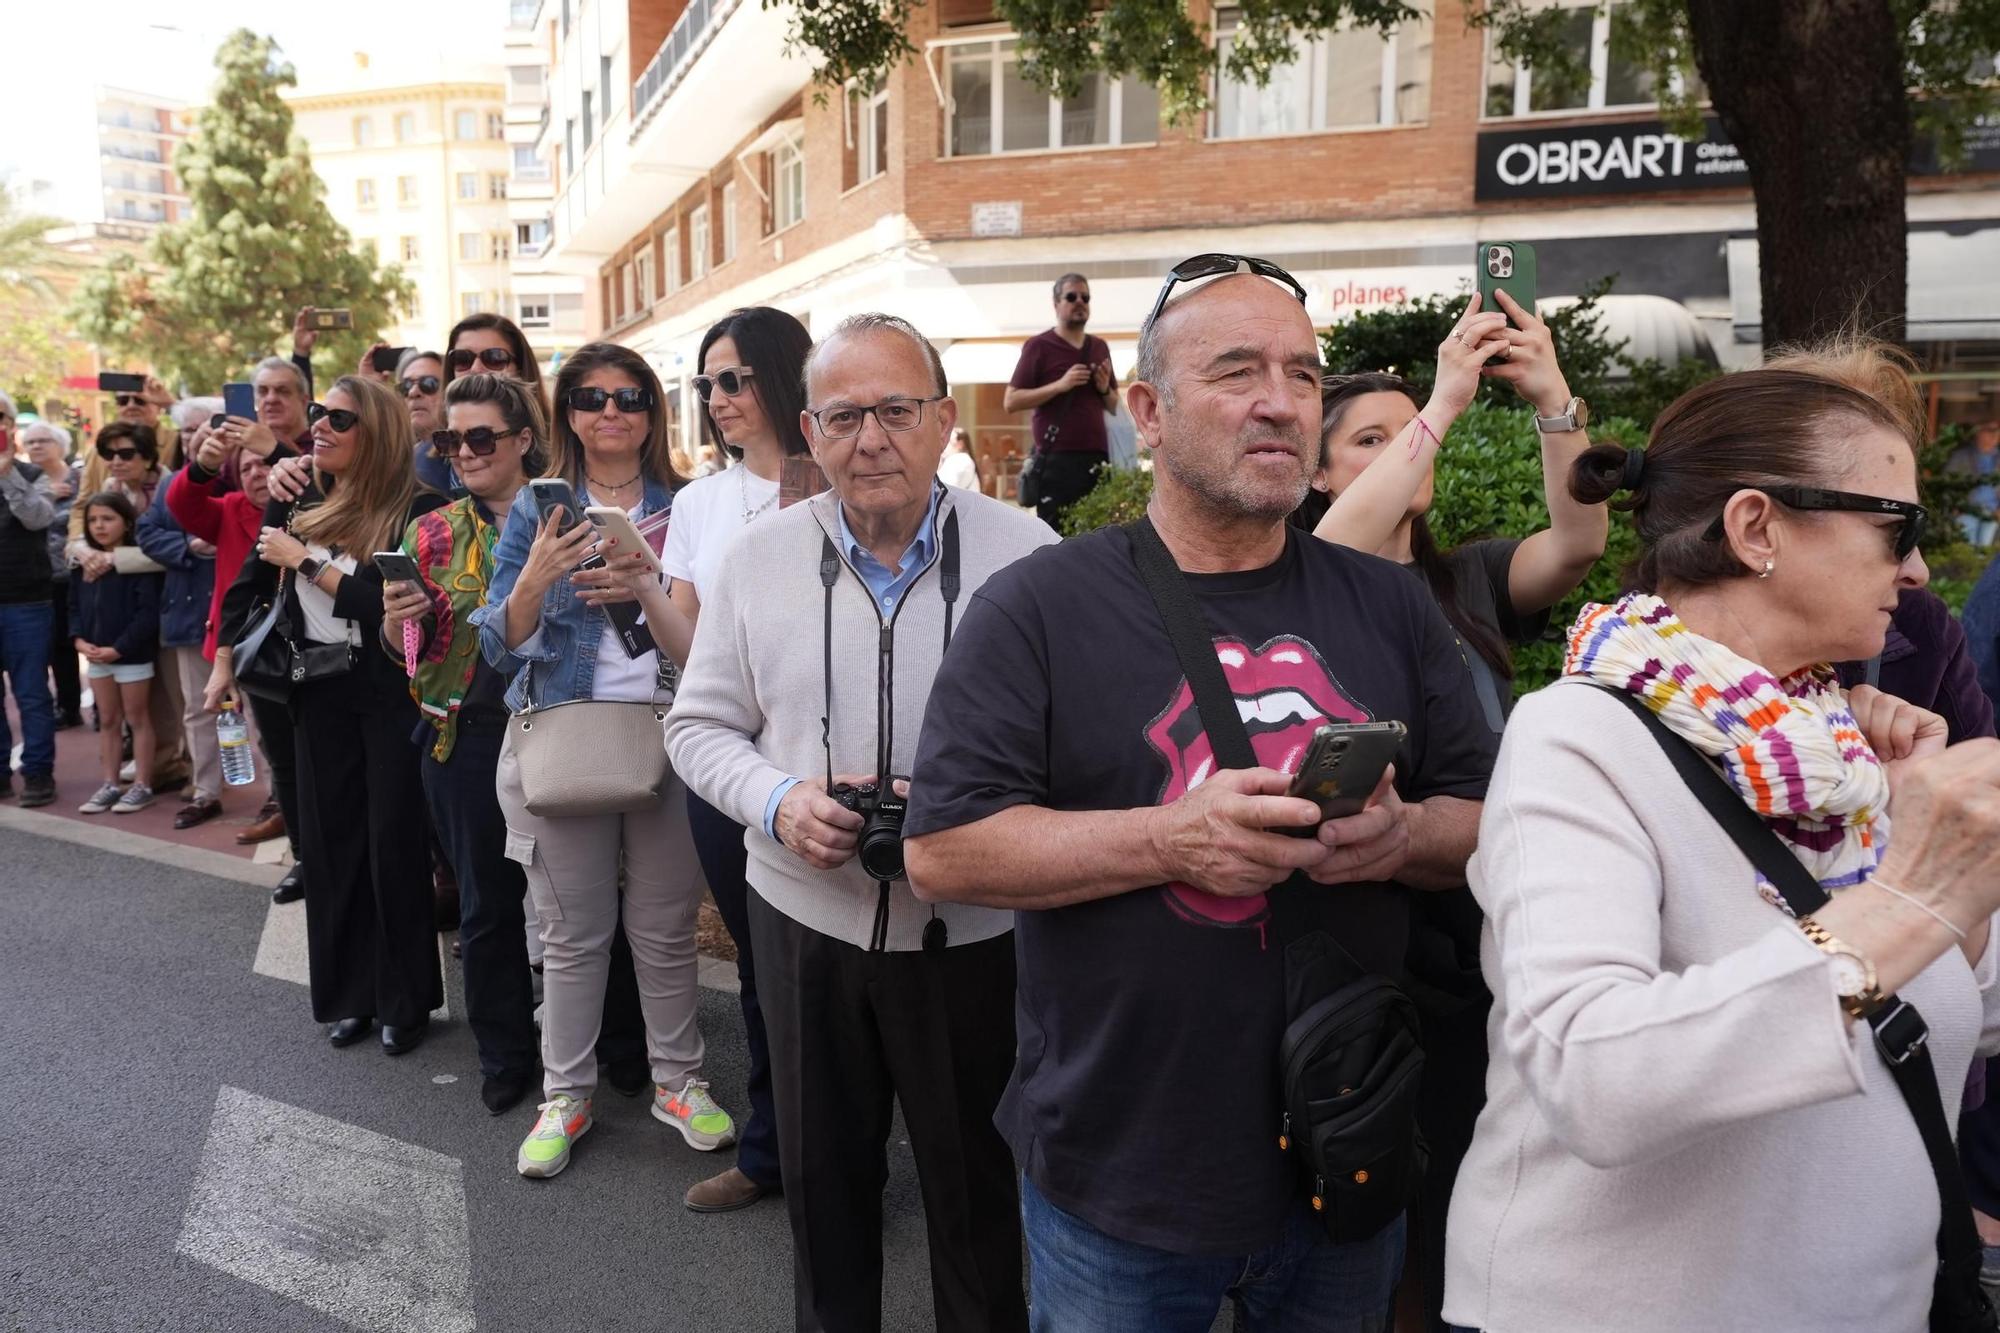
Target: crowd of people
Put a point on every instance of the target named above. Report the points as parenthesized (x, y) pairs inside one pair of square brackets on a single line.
[(1009, 832)]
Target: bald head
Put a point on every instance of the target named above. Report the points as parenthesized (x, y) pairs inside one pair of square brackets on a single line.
[(1211, 307)]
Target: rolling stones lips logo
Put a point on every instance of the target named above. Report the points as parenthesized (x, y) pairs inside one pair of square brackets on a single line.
[(1284, 693)]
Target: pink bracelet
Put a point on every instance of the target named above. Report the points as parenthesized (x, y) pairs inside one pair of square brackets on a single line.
[(410, 647), (1417, 439)]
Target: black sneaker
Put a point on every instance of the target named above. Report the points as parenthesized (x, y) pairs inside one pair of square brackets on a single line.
[(631, 1077), (37, 789), (292, 887)]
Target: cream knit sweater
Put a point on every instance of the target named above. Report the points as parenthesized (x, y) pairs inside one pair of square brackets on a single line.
[(1681, 1135)]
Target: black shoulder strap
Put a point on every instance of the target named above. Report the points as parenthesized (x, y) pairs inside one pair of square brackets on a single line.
[(1900, 1032), (1194, 646)]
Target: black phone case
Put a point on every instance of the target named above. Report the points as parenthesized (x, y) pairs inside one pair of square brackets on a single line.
[(1332, 776)]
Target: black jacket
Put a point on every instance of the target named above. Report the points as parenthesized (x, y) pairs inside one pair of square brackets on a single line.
[(119, 611)]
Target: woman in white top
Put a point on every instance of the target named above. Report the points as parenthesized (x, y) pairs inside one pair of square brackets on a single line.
[(1689, 1123), (750, 367)]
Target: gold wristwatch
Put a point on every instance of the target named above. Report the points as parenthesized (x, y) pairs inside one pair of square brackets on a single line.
[(1853, 974)]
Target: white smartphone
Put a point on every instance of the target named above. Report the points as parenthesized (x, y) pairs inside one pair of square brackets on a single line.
[(611, 521)]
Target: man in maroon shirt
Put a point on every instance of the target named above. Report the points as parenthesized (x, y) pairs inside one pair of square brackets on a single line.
[(1064, 375)]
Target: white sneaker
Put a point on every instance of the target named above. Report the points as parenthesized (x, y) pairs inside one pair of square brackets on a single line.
[(137, 797), (545, 1152), (101, 800), (694, 1113)]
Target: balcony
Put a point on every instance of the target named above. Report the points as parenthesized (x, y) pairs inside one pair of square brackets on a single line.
[(684, 42), (147, 155)]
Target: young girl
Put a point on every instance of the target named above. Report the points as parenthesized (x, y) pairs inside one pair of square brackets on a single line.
[(116, 620)]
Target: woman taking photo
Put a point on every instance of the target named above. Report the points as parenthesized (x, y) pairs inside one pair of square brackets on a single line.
[(749, 382), (369, 935), (1692, 1123), (545, 626)]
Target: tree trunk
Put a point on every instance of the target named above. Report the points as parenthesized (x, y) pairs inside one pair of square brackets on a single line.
[(1812, 93)]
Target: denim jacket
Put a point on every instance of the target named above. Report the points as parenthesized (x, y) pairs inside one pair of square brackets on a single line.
[(564, 663)]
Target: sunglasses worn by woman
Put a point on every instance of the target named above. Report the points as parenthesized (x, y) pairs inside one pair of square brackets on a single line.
[(492, 358)]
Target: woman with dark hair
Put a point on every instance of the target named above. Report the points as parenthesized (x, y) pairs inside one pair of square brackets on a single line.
[(1682, 1035), (545, 626), (750, 386), (493, 345), (369, 934)]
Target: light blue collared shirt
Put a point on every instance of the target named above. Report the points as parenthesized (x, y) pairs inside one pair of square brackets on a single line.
[(885, 586)]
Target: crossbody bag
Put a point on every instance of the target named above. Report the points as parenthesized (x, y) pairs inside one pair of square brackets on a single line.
[(1351, 1058), (1958, 1303), (593, 756)]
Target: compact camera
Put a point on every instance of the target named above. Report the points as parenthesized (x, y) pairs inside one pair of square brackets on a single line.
[(881, 846)]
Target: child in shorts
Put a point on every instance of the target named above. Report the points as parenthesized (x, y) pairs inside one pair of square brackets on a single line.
[(116, 623)]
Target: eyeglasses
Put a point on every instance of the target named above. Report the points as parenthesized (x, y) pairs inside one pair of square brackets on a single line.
[(421, 383), (482, 440), (107, 453), (1914, 518), (630, 401), (339, 418), (493, 358), (1074, 297), (730, 381), (893, 414), (130, 399), (1214, 266)]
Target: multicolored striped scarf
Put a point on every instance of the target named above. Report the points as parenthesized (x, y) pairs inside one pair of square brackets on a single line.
[(1790, 748)]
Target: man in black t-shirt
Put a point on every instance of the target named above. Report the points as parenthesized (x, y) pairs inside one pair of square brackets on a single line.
[(1065, 376), (1063, 772)]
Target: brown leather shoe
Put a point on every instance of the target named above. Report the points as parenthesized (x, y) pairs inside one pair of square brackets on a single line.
[(272, 826), (725, 1193), (197, 812)]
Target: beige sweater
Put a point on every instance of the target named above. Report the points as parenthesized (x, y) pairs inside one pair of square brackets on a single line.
[(1680, 1133)]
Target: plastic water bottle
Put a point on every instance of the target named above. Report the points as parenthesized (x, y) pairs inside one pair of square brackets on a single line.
[(239, 765)]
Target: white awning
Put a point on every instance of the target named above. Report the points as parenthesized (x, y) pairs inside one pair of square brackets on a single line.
[(968, 363), (1651, 327), (1954, 287)]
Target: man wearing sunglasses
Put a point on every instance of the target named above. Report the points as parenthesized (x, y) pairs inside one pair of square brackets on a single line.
[(25, 615), (1064, 377)]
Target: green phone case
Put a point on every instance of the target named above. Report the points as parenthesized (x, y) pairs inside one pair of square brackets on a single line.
[(1515, 273)]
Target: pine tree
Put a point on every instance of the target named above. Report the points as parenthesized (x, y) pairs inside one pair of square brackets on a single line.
[(219, 290)]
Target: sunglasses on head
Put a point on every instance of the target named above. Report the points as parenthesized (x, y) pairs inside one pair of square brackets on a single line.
[(1074, 297), (339, 418), (107, 453), (482, 440), (130, 399), (1199, 267), (1914, 519), (630, 401), (493, 358), (730, 381), (420, 383)]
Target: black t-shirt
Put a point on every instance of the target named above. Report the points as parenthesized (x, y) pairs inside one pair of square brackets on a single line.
[(1479, 583), (1145, 1093), (1072, 421)]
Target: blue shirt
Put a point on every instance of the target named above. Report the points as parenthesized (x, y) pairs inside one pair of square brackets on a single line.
[(885, 586)]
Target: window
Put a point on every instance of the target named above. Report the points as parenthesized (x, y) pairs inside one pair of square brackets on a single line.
[(642, 275), (521, 13), (565, 18), (1517, 90), (530, 237), (569, 145), (604, 87), (868, 124), (471, 245), (993, 109), (501, 242), (468, 185), (409, 250), (364, 194), (406, 126), (465, 125), (589, 128), (472, 303), (496, 125), (496, 186), (406, 190), (628, 295), (1347, 79), (364, 131), (670, 247), (527, 166), (729, 222), (534, 312), (698, 251), (788, 176)]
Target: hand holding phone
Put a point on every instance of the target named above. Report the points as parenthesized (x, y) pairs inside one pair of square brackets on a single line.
[(239, 399), (555, 498), (615, 525), (397, 567), (1342, 766), (1505, 266)]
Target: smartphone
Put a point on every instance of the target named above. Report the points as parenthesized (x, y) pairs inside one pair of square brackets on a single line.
[(239, 399), (552, 493), (1505, 266), (216, 419), (1341, 766), (333, 319), (386, 359), (612, 521), (397, 567), (118, 381)]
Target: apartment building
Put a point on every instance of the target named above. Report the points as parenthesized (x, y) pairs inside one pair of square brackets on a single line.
[(695, 169), (548, 302), (137, 134)]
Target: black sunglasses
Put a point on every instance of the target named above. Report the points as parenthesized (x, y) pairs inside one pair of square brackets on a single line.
[(339, 418), (630, 401), (107, 453), (130, 399), (493, 358), (1074, 297), (482, 440), (1214, 266), (730, 381), (421, 383), (1914, 518)]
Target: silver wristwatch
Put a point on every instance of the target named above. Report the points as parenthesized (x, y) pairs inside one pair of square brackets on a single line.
[(1574, 416)]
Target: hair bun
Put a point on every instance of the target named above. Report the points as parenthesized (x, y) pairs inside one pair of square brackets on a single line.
[(1635, 470), (1603, 470)]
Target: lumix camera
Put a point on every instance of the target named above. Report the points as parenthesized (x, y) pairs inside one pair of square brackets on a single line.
[(881, 846)]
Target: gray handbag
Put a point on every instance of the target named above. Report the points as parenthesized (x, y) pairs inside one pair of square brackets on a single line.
[(593, 756)]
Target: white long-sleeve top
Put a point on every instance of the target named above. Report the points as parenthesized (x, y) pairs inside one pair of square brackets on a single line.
[(1680, 1131)]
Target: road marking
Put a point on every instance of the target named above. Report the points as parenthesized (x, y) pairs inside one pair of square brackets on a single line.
[(354, 1224), (281, 951)]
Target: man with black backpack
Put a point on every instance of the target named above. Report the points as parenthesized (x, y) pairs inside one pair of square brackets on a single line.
[(1214, 1088)]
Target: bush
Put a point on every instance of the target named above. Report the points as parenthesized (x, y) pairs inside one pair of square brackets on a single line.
[(1119, 497)]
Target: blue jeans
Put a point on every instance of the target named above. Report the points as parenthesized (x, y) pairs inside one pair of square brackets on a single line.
[(24, 656), (1082, 1279)]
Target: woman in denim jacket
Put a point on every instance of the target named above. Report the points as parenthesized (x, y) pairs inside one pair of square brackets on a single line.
[(545, 624)]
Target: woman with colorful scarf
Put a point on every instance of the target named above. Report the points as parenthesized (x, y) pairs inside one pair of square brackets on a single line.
[(1689, 1124)]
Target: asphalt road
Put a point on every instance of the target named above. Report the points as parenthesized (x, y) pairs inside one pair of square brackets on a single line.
[(185, 1151)]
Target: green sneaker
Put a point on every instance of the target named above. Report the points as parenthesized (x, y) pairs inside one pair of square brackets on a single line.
[(694, 1113), (545, 1151)]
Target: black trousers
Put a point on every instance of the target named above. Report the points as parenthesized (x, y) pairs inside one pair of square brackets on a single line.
[(1066, 477), (852, 1033), (278, 737), (370, 936), (62, 656), (1979, 1146), (718, 845)]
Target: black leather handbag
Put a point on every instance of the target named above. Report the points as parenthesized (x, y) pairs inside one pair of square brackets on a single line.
[(270, 663)]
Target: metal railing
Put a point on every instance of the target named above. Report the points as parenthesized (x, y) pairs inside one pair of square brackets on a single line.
[(683, 45)]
